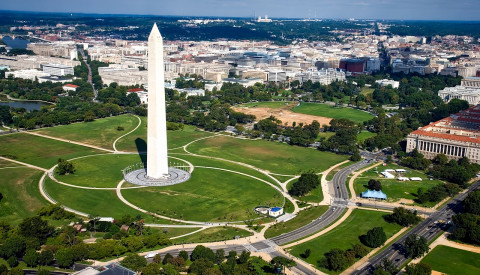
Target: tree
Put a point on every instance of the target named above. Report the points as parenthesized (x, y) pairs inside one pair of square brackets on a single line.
[(356, 156), (35, 227), (199, 266), (418, 269), (471, 204), (151, 269), (306, 183), (403, 217), (219, 256), (12, 261), (45, 257), (64, 257), (416, 246), (440, 159), (283, 262), (168, 257), (360, 250), (134, 262), (202, 252), (375, 237), (374, 185), (13, 246), (336, 260), (184, 254), (387, 266), (31, 257), (65, 167)]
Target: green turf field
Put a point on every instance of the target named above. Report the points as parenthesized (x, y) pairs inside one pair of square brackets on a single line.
[(210, 195), (453, 261), (40, 151), (21, 198), (101, 132), (393, 188), (103, 203), (364, 135), (213, 234), (272, 156), (345, 235), (303, 218), (266, 104), (318, 109), (137, 140)]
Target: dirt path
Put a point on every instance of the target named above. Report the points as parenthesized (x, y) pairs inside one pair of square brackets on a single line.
[(284, 114), (25, 164), (70, 141), (115, 142)]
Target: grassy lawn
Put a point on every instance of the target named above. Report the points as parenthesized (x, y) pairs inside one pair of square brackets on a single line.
[(212, 235), (453, 261), (345, 235), (316, 195), (326, 135), (266, 104), (364, 135), (394, 188), (40, 151), (136, 141), (209, 195), (21, 198), (303, 218), (366, 91), (272, 156), (101, 132), (103, 203), (318, 109)]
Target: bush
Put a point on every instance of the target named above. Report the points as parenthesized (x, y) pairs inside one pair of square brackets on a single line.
[(64, 257), (65, 167), (12, 261), (31, 257), (134, 262)]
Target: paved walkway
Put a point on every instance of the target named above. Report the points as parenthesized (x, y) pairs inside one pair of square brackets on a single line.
[(115, 142), (24, 164)]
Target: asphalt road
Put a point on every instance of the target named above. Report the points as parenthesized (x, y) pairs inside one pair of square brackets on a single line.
[(428, 228)]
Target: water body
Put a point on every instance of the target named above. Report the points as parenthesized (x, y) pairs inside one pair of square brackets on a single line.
[(17, 43), (29, 105)]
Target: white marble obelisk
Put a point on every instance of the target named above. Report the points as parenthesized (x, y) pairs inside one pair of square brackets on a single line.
[(157, 159)]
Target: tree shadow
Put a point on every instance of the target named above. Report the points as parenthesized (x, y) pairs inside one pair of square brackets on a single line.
[(142, 150)]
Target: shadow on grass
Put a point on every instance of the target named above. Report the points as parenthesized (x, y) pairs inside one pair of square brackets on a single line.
[(142, 150)]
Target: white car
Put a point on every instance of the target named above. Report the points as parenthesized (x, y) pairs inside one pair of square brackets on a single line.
[(151, 255)]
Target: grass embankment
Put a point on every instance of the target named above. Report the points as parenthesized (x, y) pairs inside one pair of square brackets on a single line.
[(453, 261), (213, 234), (345, 235), (21, 198), (394, 188), (319, 109), (303, 218), (40, 151), (100, 132), (272, 156), (209, 195)]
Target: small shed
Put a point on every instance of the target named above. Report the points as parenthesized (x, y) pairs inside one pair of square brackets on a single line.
[(125, 228), (389, 170), (400, 170), (275, 211), (416, 179)]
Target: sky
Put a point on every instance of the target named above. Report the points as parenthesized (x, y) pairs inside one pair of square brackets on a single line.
[(358, 9)]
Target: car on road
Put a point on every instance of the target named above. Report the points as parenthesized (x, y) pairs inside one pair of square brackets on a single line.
[(151, 255)]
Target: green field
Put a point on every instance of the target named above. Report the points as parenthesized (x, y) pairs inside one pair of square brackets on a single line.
[(453, 261), (266, 104), (40, 151), (345, 235), (136, 141), (318, 109), (213, 234), (21, 198), (210, 195), (272, 156), (101, 132), (364, 135), (103, 203), (393, 188), (303, 218), (316, 195)]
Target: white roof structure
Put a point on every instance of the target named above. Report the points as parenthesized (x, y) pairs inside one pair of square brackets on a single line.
[(387, 175), (400, 170), (403, 179), (389, 170), (416, 179)]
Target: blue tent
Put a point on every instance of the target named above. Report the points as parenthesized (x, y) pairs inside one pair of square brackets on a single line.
[(374, 194)]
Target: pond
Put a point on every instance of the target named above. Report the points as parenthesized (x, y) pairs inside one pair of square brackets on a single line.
[(29, 105), (17, 43)]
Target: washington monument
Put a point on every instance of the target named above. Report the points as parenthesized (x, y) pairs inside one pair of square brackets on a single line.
[(157, 159)]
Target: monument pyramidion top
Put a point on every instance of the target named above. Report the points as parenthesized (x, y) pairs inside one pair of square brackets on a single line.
[(155, 33)]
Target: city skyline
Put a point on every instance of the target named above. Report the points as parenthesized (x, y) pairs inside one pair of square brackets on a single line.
[(466, 10)]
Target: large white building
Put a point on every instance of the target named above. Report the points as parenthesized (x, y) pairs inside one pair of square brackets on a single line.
[(455, 136), (323, 76), (469, 91), (58, 69)]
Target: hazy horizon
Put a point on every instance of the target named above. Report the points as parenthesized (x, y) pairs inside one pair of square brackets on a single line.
[(465, 10)]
